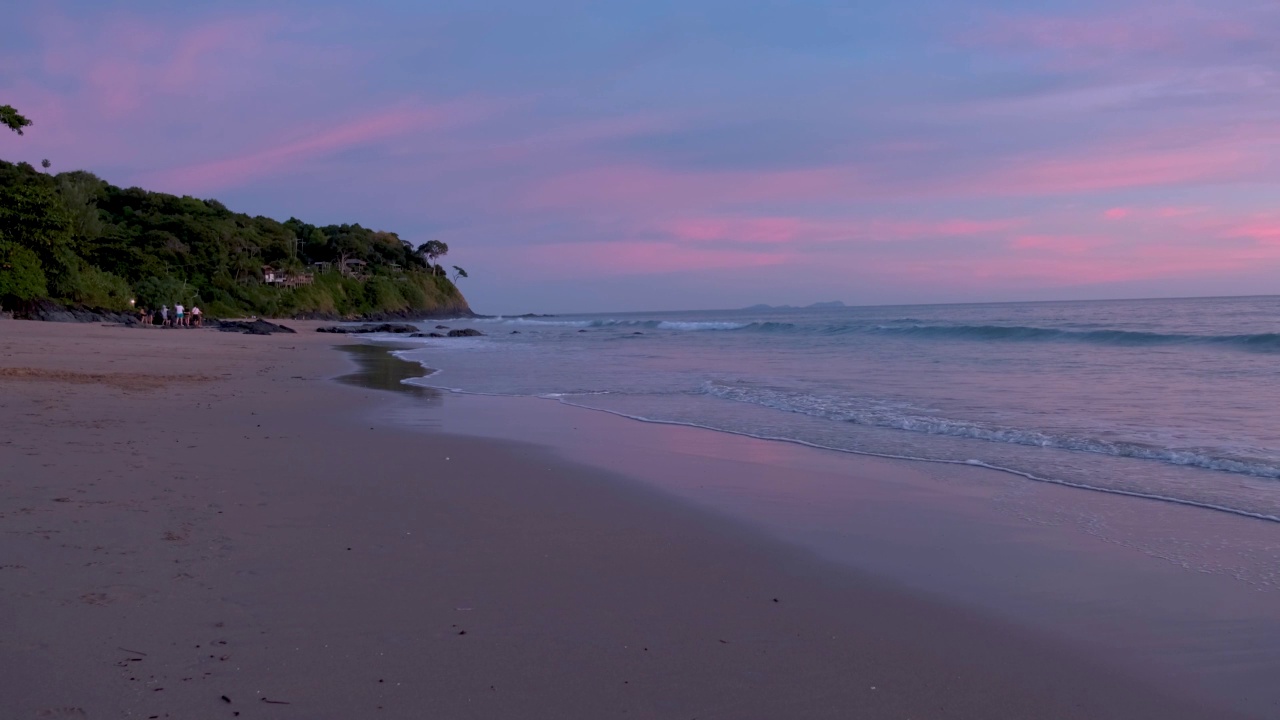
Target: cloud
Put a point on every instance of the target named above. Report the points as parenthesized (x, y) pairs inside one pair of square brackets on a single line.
[(286, 155)]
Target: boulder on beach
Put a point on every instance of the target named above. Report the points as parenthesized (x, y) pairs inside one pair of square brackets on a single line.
[(369, 328), (251, 327), (465, 332)]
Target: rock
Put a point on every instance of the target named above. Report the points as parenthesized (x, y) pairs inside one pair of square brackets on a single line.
[(434, 335), (515, 332), (442, 327), (369, 328), (582, 331), (49, 311), (465, 332), (250, 327)]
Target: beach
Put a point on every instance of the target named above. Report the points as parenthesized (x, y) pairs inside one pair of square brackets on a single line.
[(205, 524)]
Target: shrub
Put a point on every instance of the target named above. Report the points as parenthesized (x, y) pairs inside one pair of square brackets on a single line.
[(21, 276), (88, 286)]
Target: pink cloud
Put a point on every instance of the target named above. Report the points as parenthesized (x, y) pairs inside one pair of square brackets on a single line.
[(635, 257), (637, 186), (748, 230), (1145, 30), (283, 155), (1263, 229), (780, 230), (1153, 213), (1116, 168), (1058, 244)]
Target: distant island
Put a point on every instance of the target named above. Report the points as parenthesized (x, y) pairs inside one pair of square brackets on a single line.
[(73, 240), (814, 306)]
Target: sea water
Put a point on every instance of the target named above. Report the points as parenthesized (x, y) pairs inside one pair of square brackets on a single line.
[(1176, 400)]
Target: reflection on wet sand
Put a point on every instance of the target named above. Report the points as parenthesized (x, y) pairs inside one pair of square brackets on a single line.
[(381, 370)]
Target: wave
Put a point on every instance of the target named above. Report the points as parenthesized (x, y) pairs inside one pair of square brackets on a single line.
[(1158, 497), (898, 417), (1261, 342), (675, 325)]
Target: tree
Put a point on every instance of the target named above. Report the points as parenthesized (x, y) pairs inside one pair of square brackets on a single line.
[(21, 277), (33, 216), (433, 249), (458, 273), (10, 118), (45, 163)]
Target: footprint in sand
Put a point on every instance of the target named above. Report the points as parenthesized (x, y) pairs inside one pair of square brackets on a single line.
[(112, 595)]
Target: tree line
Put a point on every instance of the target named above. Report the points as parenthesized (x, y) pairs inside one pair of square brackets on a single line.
[(76, 239)]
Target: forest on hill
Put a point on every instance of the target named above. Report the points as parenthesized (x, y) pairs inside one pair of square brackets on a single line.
[(77, 240)]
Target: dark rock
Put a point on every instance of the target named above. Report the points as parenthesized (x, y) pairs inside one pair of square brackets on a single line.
[(434, 335), (465, 332), (49, 311), (250, 327), (515, 332), (582, 331), (369, 328), (442, 327)]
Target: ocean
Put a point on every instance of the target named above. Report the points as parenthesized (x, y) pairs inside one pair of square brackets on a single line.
[(1174, 400)]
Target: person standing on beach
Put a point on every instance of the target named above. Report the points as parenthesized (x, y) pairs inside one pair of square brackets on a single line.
[(164, 316), (196, 316), (178, 312)]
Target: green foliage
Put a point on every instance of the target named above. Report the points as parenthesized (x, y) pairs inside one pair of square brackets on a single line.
[(21, 277), (88, 286), (433, 249), (154, 292), (10, 118), (93, 240), (31, 213)]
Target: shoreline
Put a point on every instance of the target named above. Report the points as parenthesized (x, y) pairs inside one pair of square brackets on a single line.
[(1160, 565), (1153, 497), (328, 545)]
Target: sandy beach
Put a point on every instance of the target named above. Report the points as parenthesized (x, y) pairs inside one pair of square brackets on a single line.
[(204, 524)]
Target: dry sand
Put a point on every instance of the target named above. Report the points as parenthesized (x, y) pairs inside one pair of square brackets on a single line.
[(202, 525)]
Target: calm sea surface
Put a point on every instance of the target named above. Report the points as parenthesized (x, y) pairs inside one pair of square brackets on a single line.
[(1173, 399)]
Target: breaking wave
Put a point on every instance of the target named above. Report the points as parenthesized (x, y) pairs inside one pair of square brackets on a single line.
[(898, 417), (1261, 342)]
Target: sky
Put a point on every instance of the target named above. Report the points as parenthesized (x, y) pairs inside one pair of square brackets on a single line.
[(607, 156)]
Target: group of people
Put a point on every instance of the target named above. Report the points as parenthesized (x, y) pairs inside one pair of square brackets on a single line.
[(178, 317)]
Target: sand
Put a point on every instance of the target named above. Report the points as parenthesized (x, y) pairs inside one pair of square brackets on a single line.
[(200, 524)]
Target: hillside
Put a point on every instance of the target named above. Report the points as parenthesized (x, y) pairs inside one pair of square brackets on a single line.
[(77, 240)]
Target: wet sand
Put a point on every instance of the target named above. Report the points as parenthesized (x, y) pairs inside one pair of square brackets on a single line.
[(199, 524)]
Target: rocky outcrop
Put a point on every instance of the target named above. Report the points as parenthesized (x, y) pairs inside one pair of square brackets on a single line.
[(396, 328), (250, 327), (449, 310), (368, 328), (50, 311)]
